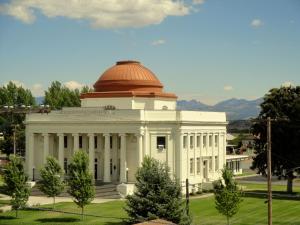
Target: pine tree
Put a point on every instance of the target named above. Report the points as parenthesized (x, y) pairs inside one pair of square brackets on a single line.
[(15, 183), (227, 195), (80, 181), (51, 182), (156, 195)]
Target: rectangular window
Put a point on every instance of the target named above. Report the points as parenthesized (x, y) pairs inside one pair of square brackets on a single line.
[(204, 141), (237, 166), (80, 141), (216, 140), (210, 140), (160, 142), (65, 141), (198, 141), (198, 165), (111, 167), (191, 166), (191, 141), (216, 163), (184, 141), (66, 165), (119, 142), (110, 142), (95, 141)]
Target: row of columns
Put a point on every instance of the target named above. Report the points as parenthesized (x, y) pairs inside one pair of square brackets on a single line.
[(91, 152)]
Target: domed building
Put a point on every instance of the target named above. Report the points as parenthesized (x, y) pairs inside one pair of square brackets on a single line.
[(127, 117)]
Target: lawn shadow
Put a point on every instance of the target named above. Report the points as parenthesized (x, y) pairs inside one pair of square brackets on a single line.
[(58, 220), (7, 217), (116, 223), (275, 195)]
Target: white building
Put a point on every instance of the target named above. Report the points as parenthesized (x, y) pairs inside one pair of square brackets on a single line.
[(126, 118)]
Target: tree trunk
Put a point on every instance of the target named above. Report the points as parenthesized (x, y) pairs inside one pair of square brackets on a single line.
[(227, 220), (16, 213), (290, 183), (53, 202), (81, 213)]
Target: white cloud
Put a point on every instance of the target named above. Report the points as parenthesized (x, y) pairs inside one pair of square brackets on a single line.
[(73, 85), (256, 23), (37, 90), (228, 88), (198, 2), (158, 42), (99, 13), (287, 84)]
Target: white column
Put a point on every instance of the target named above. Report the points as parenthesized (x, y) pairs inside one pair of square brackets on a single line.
[(213, 155), (75, 142), (139, 148), (195, 158), (207, 142), (123, 163), (61, 150), (92, 154), (29, 156), (179, 158), (201, 156), (106, 177), (224, 148), (188, 155), (46, 146)]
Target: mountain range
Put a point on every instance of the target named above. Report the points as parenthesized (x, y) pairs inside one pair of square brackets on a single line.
[(236, 109)]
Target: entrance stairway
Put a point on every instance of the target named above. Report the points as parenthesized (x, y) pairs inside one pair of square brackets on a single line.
[(106, 191)]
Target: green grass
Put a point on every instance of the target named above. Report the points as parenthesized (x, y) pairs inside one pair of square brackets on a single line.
[(252, 211)]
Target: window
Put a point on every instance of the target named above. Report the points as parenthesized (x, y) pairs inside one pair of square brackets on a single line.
[(191, 141), (237, 166), (119, 142), (198, 165), (80, 141), (198, 141), (95, 141), (216, 141), (65, 141), (161, 142), (66, 165), (191, 166), (210, 140), (204, 141), (216, 163), (110, 142), (184, 141), (111, 167)]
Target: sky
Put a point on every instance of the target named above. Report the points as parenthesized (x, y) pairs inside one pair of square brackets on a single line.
[(207, 50)]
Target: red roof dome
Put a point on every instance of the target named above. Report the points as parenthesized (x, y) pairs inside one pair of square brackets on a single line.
[(128, 78)]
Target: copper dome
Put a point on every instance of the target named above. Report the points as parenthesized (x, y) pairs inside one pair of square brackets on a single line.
[(127, 79), (128, 76)]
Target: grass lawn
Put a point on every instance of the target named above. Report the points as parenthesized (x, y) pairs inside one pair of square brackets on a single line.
[(252, 211), (263, 187)]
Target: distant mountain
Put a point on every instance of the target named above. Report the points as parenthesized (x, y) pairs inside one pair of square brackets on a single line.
[(236, 109), (39, 100)]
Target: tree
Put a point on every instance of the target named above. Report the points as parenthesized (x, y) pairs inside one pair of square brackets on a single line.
[(11, 95), (283, 106), (156, 195), (15, 183), (227, 195), (51, 182), (80, 180), (58, 96)]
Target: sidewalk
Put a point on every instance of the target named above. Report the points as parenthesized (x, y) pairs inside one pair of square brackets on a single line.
[(40, 200)]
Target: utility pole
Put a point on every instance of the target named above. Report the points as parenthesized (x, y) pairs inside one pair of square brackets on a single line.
[(269, 171)]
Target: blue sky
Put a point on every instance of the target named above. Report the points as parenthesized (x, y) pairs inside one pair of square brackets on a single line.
[(205, 50)]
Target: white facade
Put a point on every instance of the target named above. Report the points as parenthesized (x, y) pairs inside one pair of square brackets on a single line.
[(191, 143)]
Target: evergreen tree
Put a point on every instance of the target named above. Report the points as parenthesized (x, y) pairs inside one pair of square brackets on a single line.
[(15, 183), (227, 195), (156, 195), (80, 180), (51, 182)]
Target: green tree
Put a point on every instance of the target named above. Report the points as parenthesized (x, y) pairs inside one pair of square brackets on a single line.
[(51, 182), (156, 195), (227, 195), (15, 183), (11, 95), (58, 96), (283, 106), (80, 180)]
